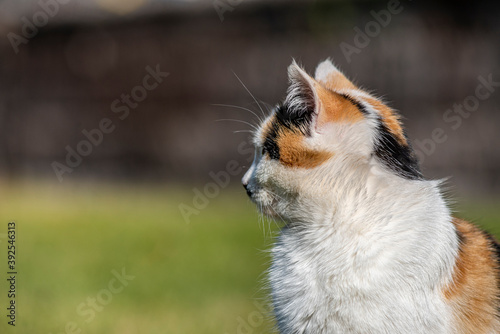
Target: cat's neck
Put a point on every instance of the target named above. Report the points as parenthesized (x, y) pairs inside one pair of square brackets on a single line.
[(370, 198), (374, 216)]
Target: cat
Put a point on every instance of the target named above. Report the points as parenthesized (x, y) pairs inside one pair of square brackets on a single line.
[(367, 245)]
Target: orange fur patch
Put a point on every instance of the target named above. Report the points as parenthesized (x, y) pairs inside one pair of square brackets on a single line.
[(337, 81), (390, 118), (473, 294), (294, 153), (335, 108)]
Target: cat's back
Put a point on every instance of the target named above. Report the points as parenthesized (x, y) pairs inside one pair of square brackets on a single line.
[(474, 292)]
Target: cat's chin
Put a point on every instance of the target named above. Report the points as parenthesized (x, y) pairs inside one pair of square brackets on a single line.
[(266, 204), (268, 211)]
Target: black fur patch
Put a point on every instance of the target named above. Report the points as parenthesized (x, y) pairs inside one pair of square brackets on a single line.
[(270, 145), (461, 239), (301, 119), (356, 104), (495, 246), (291, 119), (296, 119), (394, 155)]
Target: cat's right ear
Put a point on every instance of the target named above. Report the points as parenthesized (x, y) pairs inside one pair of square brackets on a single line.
[(331, 77)]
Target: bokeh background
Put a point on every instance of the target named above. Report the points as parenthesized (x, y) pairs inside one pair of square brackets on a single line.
[(157, 196)]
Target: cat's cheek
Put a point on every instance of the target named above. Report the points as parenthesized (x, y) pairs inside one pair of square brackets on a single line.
[(265, 172)]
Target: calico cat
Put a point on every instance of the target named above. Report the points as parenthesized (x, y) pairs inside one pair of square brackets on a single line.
[(368, 245)]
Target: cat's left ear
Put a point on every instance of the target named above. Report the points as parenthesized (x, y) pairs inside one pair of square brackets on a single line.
[(302, 102), (312, 102)]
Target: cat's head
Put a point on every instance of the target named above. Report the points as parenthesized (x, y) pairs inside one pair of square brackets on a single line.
[(322, 142)]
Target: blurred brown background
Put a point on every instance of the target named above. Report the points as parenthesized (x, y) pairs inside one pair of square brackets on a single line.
[(65, 78)]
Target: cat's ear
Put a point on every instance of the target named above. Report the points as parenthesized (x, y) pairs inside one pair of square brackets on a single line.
[(302, 102), (331, 78)]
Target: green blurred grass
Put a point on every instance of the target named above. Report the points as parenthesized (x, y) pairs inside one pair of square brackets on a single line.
[(199, 277)]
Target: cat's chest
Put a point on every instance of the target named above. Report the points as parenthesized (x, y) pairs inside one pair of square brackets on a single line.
[(331, 290)]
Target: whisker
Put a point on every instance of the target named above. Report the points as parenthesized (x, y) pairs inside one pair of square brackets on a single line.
[(246, 131), (268, 106), (253, 97), (265, 227), (239, 121), (265, 223), (239, 107), (261, 219), (276, 196)]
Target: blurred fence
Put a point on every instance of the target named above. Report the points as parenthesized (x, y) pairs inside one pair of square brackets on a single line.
[(84, 67)]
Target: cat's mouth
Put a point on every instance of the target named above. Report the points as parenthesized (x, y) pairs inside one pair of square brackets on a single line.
[(264, 200)]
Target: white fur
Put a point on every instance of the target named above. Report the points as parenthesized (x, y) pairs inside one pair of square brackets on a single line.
[(363, 250)]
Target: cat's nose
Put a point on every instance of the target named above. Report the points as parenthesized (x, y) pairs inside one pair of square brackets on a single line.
[(249, 193)]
